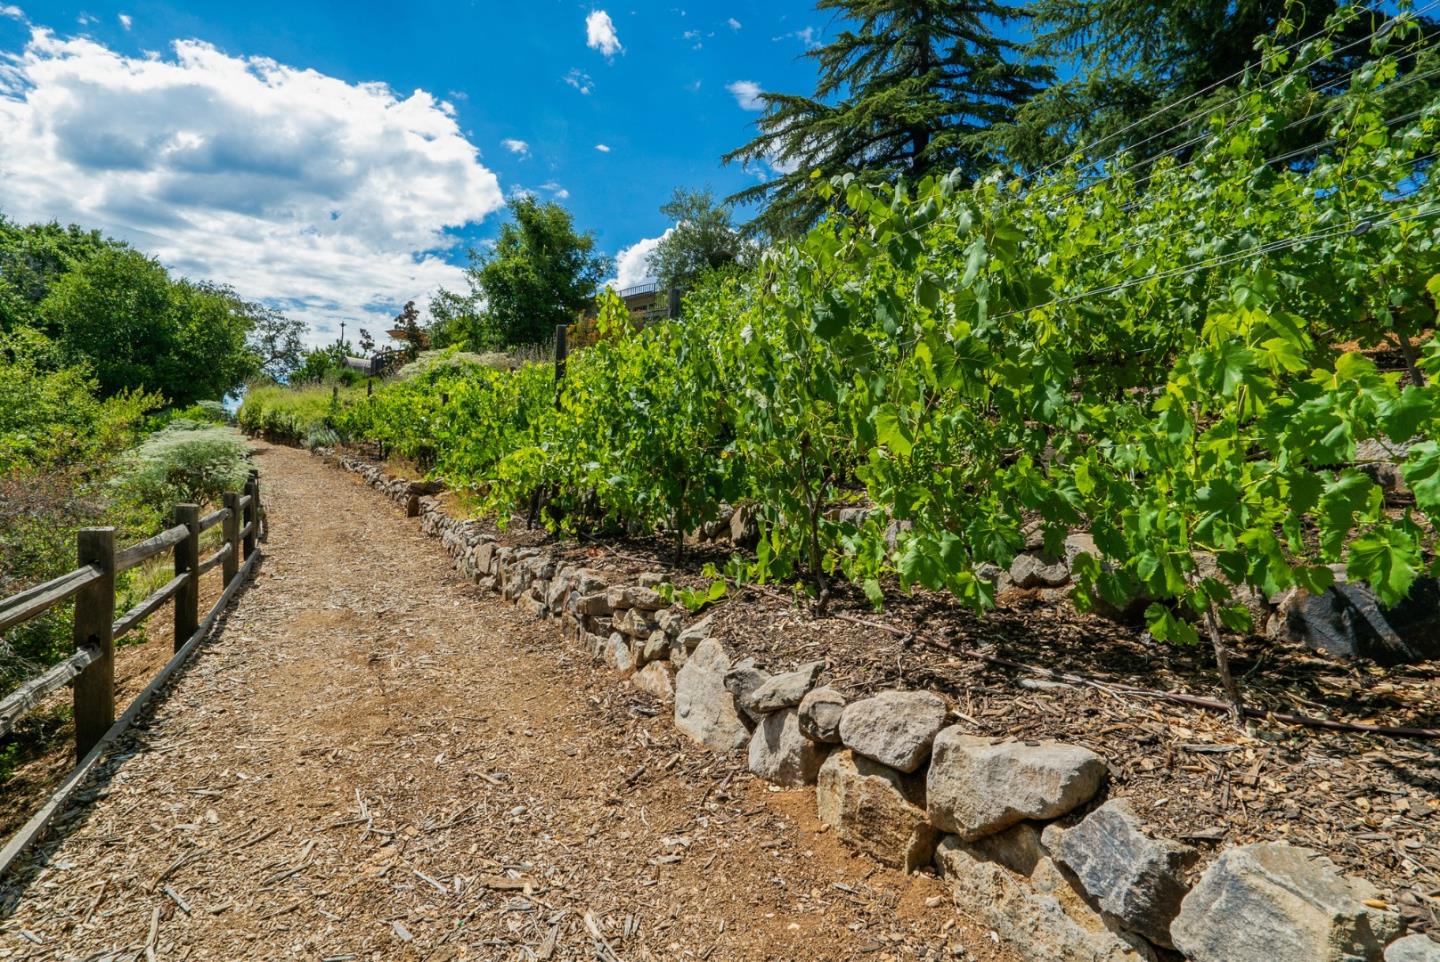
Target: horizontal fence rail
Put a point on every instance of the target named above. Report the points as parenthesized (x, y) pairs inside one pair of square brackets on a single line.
[(91, 669)]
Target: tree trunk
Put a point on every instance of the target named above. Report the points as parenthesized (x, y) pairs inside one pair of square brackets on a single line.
[(1222, 662)]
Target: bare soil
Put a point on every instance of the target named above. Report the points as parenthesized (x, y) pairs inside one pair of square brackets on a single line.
[(375, 760)]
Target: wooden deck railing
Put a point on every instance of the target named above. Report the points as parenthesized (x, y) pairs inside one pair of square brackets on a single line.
[(96, 629)]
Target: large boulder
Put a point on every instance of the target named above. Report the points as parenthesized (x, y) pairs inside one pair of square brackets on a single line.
[(780, 754), (1040, 918), (1347, 621), (820, 712), (1138, 879), (979, 786), (1272, 902), (1413, 948), (784, 690), (876, 810), (894, 728), (704, 708)]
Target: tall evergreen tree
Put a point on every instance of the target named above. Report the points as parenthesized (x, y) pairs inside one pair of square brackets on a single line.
[(1127, 60), (908, 89)]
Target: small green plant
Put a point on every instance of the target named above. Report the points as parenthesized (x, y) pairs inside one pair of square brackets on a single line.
[(696, 599)]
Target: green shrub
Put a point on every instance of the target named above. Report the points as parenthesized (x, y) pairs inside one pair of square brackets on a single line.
[(186, 462)]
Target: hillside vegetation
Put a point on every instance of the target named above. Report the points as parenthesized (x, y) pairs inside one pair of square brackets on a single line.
[(1175, 355)]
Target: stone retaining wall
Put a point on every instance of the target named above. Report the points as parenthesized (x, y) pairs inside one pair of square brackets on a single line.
[(897, 781)]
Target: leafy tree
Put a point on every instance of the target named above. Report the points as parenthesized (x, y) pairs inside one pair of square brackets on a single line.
[(460, 320), (910, 89), (541, 272), (406, 329), (702, 239), (323, 364), (32, 258), (1129, 59), (274, 339)]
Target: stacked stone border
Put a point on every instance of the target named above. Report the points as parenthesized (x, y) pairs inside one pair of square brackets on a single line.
[(999, 820)]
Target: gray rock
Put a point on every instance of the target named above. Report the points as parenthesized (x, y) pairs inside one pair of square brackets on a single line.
[(780, 754), (1280, 903), (1347, 621), (617, 597), (636, 623), (655, 648), (979, 786), (1040, 919), (894, 728), (671, 620), (1035, 569), (617, 653), (1136, 878), (820, 712), (1020, 848), (634, 596), (786, 690), (595, 604), (742, 681), (704, 708), (876, 810), (649, 579), (696, 633), (657, 678), (744, 532), (1413, 948)]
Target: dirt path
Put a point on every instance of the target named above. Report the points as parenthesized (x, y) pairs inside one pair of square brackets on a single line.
[(374, 760)]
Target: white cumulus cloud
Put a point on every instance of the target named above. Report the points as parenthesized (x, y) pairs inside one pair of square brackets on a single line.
[(517, 147), (329, 200), (631, 264), (11, 11), (126, 20), (747, 94), (603, 148), (733, 23), (600, 33)]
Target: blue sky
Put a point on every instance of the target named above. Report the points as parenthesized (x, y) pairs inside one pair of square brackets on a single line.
[(338, 158)]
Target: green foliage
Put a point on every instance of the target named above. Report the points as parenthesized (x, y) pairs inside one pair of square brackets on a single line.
[(140, 330), (701, 239), (908, 88), (1173, 359), (289, 414), (540, 274), (50, 415), (1126, 60), (185, 462), (326, 365), (134, 327)]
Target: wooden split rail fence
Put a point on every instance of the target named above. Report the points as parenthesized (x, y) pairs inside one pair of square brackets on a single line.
[(96, 629)]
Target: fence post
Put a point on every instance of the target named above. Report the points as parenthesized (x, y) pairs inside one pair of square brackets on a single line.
[(94, 615), (187, 559), (251, 514), (560, 354), (230, 527), (260, 524)]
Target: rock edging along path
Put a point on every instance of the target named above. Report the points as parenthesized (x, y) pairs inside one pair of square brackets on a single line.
[(374, 760), (896, 783)]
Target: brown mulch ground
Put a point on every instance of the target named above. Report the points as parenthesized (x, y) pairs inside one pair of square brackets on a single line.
[(47, 734), (375, 760), (1372, 803)]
